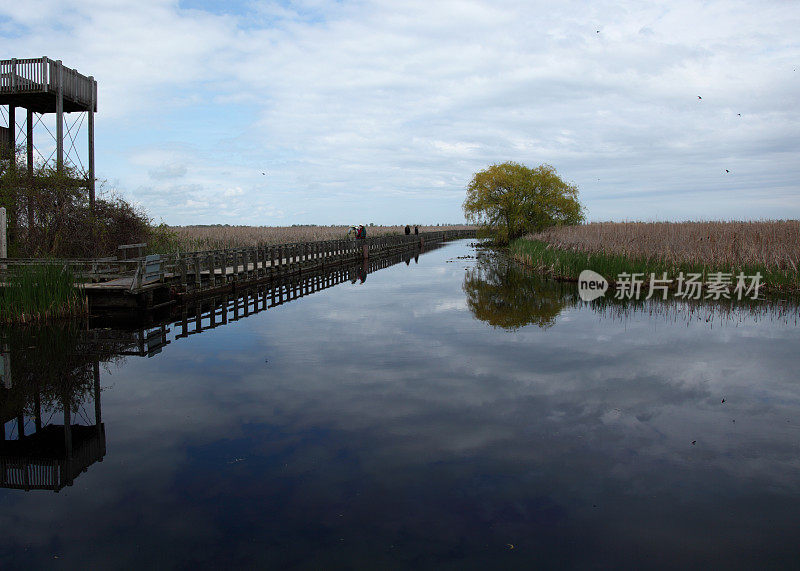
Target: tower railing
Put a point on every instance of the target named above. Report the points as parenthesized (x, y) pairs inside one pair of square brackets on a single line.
[(40, 75)]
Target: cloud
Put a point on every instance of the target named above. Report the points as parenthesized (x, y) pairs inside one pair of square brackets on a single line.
[(385, 110), (167, 171), (230, 192)]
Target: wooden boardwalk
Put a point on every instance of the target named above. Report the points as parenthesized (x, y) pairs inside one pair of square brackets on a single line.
[(147, 333), (159, 280)]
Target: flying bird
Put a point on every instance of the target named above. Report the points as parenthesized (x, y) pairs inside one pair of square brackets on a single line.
[(265, 174), (739, 114), (699, 97), (726, 170)]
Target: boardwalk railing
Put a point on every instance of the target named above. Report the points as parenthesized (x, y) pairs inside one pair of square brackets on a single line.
[(195, 272), (40, 75), (204, 270)]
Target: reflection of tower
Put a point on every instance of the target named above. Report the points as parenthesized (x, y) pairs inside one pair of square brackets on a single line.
[(53, 455), (5, 368)]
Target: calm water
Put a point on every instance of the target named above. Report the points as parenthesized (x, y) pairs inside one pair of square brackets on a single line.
[(454, 412)]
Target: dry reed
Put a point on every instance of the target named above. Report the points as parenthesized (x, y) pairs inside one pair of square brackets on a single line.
[(769, 248), (774, 244), (198, 238)]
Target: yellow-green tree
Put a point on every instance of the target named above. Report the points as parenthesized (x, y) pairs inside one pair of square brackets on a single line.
[(510, 200)]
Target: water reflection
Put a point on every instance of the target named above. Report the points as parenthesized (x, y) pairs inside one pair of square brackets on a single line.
[(508, 295), (53, 373), (48, 373), (211, 312), (382, 425)]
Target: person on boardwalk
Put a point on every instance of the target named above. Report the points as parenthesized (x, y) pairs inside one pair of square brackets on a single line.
[(362, 232), (408, 230), (416, 230)]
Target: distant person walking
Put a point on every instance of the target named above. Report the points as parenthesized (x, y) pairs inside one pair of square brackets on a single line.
[(416, 230), (408, 230)]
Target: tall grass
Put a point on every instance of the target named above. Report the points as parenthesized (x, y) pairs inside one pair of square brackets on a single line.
[(767, 247), (40, 293), (200, 238)]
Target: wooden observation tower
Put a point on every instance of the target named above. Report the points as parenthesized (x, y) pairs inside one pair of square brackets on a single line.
[(42, 86)]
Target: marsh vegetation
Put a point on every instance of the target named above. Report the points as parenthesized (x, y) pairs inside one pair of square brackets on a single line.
[(767, 247), (40, 293), (220, 237)]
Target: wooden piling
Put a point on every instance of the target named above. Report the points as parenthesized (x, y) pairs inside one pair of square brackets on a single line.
[(3, 233)]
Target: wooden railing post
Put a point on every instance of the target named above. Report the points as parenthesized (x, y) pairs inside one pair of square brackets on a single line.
[(197, 278), (3, 233), (183, 270), (213, 269)]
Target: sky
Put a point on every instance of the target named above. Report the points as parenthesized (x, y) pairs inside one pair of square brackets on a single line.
[(322, 112)]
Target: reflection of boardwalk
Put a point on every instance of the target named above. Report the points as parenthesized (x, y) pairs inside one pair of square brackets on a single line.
[(213, 310), (220, 310), (36, 454)]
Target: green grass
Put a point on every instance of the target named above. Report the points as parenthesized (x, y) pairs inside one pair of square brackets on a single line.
[(40, 293), (568, 264)]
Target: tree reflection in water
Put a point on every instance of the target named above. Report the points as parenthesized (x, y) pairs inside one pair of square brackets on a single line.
[(505, 294)]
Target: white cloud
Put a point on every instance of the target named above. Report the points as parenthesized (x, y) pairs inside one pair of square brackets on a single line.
[(383, 110), (230, 192)]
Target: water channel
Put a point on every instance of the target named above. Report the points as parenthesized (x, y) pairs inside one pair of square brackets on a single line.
[(449, 410)]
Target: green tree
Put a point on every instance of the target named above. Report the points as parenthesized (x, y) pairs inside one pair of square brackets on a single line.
[(510, 200)]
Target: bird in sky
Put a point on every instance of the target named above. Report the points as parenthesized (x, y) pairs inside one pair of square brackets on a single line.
[(739, 114), (699, 97), (726, 170), (265, 174)]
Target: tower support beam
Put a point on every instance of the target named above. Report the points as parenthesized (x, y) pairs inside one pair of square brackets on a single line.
[(59, 116), (29, 145), (93, 87), (12, 132)]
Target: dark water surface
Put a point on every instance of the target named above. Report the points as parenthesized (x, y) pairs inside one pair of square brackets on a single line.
[(451, 413)]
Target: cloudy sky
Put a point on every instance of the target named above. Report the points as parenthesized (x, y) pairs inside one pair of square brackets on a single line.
[(326, 112)]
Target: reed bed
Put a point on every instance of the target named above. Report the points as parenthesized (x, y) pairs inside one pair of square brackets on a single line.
[(40, 293), (200, 238), (610, 248)]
